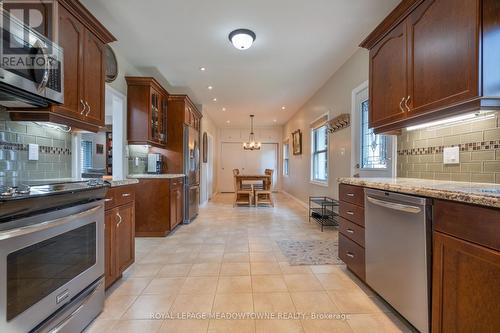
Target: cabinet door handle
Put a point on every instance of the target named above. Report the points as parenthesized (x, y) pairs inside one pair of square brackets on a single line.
[(350, 195), (349, 254), (349, 212), (350, 231), (126, 195), (83, 107), (119, 219), (108, 199), (401, 105), (89, 108), (406, 103)]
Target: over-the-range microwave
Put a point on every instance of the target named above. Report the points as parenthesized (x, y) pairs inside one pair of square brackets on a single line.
[(31, 66)]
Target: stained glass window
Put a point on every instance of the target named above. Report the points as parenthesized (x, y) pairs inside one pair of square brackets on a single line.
[(373, 147)]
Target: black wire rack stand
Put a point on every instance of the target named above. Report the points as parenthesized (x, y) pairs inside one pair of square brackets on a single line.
[(324, 210)]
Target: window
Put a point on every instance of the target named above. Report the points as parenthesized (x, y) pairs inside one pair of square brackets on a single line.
[(286, 158), (319, 154), (373, 147), (86, 154)]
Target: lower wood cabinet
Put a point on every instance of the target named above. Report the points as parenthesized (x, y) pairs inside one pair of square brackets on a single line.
[(466, 268), (119, 233), (159, 206)]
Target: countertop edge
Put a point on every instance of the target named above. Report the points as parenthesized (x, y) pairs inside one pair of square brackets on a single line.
[(451, 195), (155, 176), (123, 182)]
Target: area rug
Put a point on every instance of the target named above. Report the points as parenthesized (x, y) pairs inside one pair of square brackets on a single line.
[(310, 252)]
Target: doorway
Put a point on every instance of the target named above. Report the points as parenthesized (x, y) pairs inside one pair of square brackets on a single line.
[(233, 156)]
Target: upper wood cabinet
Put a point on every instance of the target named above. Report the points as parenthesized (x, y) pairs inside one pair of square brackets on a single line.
[(82, 38), (433, 58), (147, 111)]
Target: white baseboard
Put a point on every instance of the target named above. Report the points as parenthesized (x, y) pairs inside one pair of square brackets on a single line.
[(302, 203)]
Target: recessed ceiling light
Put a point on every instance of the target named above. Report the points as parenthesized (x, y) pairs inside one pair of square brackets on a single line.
[(223, 109), (214, 99), (242, 39), (210, 87), (283, 108), (203, 69), (228, 121), (275, 120)]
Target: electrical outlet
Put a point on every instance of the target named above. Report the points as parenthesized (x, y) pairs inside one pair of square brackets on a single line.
[(451, 155), (32, 152)]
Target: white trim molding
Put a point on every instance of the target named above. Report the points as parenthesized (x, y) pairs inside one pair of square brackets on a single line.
[(302, 203)]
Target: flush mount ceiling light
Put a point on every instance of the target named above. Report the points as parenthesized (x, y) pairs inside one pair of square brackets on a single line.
[(283, 108), (214, 99), (210, 87), (242, 39), (203, 69), (251, 144)]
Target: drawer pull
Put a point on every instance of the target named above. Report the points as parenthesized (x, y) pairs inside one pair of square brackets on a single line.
[(350, 195), (350, 212), (126, 195), (349, 254), (350, 231), (108, 199)]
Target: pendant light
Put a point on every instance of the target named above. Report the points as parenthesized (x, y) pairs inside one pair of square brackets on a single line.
[(251, 144)]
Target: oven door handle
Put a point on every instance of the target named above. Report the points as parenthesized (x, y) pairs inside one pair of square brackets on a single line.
[(395, 206), (72, 314), (46, 225)]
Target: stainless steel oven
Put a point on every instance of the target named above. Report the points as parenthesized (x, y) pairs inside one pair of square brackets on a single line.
[(51, 268)]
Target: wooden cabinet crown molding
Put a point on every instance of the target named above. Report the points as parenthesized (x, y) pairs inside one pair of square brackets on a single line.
[(396, 16), (146, 81), (76, 8), (187, 100)]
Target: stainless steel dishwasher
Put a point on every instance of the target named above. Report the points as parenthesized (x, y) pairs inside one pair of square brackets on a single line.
[(397, 245)]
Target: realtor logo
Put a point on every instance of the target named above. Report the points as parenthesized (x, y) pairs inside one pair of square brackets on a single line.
[(27, 28)]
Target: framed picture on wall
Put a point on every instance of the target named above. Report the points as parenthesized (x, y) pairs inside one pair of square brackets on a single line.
[(99, 149), (205, 147), (297, 142)]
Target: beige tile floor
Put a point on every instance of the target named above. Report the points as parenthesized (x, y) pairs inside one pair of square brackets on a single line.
[(227, 261)]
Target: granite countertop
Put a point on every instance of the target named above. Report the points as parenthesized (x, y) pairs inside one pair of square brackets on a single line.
[(156, 176), (468, 192), (123, 182)]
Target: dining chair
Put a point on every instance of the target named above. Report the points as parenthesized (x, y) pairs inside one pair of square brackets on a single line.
[(265, 195), (242, 196)]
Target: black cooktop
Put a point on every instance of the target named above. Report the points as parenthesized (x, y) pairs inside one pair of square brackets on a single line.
[(21, 201)]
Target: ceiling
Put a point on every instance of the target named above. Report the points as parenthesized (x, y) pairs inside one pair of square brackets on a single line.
[(299, 45)]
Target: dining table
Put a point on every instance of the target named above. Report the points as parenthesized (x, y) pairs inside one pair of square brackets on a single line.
[(265, 179)]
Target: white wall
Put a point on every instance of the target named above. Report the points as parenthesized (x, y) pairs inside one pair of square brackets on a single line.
[(208, 126), (262, 134), (333, 98)]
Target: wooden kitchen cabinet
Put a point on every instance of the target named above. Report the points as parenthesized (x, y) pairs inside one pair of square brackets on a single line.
[(82, 38), (159, 206), (119, 232), (433, 58), (147, 103), (466, 268), (176, 202), (352, 228)]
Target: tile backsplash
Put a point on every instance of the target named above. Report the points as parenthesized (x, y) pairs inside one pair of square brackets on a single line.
[(420, 152), (54, 152)]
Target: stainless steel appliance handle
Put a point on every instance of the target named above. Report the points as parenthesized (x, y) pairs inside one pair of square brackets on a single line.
[(46, 225), (72, 314), (46, 73), (395, 206)]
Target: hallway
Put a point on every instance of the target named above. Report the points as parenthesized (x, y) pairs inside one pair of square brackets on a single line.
[(227, 262)]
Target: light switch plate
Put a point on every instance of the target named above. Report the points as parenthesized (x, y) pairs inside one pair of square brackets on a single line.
[(451, 155), (32, 152)]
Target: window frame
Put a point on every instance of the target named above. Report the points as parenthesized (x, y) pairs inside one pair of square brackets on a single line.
[(286, 159), (314, 153), (82, 151)]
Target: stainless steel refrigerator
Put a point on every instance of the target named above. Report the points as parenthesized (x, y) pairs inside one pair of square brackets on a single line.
[(192, 172)]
